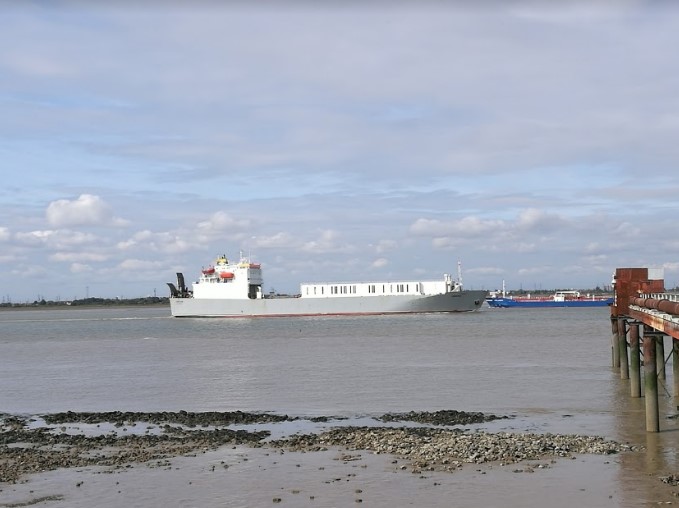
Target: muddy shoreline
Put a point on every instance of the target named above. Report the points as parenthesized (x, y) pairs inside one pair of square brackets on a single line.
[(29, 446)]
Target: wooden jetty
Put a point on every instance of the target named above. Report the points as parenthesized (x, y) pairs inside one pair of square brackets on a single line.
[(642, 316)]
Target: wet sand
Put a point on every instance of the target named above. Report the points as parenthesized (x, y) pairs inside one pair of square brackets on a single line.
[(245, 477)]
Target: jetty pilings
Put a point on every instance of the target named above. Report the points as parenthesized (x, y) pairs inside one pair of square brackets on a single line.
[(615, 343), (641, 303), (651, 382), (660, 355), (622, 346), (635, 361)]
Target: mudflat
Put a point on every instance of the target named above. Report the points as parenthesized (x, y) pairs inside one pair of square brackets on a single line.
[(57, 454)]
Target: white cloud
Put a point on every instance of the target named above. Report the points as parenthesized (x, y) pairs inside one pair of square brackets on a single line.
[(593, 247), (380, 263), (535, 270), (136, 265), (34, 238), (467, 227), (280, 240), (327, 242), (521, 247), (55, 239), (4, 234), (60, 257), (157, 242), (474, 227), (444, 242), (628, 230), (386, 246), (671, 267), (539, 221), (86, 210), (222, 221), (594, 260), (80, 268), (427, 227), (486, 270)]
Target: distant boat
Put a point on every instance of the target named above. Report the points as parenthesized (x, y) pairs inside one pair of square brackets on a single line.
[(558, 299), (234, 289)]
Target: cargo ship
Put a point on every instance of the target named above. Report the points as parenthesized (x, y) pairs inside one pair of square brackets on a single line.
[(234, 289), (558, 299)]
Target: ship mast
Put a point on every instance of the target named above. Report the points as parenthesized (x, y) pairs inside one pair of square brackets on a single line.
[(459, 272)]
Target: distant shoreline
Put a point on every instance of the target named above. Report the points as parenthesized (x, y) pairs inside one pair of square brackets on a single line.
[(30, 307)]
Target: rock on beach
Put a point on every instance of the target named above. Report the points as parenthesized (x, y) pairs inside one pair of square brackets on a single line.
[(446, 449)]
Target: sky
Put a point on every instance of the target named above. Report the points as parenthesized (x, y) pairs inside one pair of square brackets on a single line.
[(533, 142)]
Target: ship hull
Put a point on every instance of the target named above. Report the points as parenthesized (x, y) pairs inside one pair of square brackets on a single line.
[(461, 301), (509, 303)]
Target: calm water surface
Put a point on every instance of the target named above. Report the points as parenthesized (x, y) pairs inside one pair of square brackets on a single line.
[(548, 368)]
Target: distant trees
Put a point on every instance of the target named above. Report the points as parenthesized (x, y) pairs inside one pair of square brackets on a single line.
[(108, 302), (148, 300)]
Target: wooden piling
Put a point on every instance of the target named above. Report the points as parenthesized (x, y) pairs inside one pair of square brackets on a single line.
[(651, 381), (615, 345), (622, 349), (635, 361)]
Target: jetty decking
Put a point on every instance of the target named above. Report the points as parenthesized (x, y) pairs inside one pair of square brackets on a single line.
[(642, 316)]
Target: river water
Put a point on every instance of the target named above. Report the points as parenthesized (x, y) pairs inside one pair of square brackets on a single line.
[(550, 369)]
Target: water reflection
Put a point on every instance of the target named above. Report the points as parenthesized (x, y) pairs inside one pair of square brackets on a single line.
[(640, 473)]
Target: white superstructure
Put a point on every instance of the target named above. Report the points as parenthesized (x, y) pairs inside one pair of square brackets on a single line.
[(241, 280)]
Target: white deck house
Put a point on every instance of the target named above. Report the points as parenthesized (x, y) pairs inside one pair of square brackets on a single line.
[(409, 287)]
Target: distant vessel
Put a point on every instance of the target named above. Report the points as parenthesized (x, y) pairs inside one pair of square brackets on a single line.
[(235, 290), (558, 299)]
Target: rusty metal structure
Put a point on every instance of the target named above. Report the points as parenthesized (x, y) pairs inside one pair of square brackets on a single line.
[(646, 314), (659, 311)]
